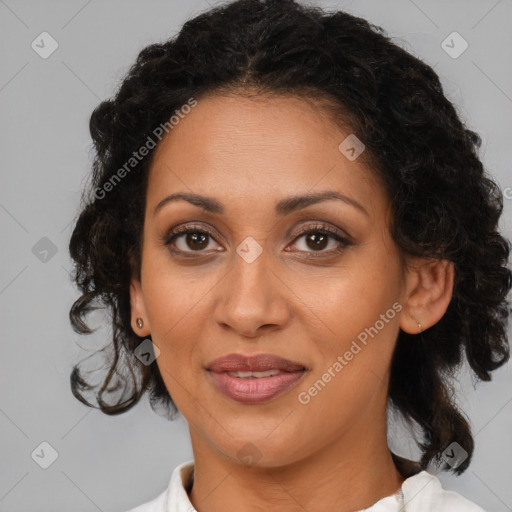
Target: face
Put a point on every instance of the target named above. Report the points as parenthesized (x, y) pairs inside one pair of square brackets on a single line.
[(315, 282)]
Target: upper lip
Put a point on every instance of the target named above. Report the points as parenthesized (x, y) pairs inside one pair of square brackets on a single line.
[(255, 363)]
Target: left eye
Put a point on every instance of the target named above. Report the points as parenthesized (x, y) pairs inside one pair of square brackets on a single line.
[(318, 239)]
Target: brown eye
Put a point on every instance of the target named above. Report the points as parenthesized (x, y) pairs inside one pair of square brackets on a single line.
[(196, 241), (317, 241), (318, 238), (192, 240), (188, 239)]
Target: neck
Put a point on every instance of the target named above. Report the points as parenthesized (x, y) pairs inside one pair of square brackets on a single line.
[(351, 473)]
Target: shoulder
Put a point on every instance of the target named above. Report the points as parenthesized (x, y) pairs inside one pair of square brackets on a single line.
[(423, 492), (175, 496), (159, 504)]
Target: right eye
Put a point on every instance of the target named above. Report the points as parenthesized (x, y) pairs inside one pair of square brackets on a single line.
[(189, 239)]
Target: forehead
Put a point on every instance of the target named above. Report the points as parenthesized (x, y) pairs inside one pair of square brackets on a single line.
[(257, 147), (223, 123)]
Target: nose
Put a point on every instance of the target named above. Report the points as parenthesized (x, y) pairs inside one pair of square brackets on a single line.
[(252, 298)]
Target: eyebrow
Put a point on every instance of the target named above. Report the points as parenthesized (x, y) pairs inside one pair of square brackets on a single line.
[(283, 207)]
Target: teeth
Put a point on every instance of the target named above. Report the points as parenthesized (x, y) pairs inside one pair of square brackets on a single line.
[(257, 375)]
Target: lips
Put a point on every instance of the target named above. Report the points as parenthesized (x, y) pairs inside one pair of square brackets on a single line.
[(256, 363), (233, 376)]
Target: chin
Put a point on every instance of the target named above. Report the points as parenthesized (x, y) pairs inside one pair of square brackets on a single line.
[(259, 451)]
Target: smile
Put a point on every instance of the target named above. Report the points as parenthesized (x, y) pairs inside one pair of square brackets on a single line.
[(255, 387)]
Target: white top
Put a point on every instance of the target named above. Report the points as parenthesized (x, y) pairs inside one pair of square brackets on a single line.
[(421, 492)]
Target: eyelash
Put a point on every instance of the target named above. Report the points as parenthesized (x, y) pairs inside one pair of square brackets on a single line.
[(323, 229)]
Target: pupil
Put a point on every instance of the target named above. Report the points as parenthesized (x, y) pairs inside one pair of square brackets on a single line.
[(194, 239), (318, 240)]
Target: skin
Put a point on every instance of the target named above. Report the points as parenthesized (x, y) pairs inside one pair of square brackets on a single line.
[(294, 300)]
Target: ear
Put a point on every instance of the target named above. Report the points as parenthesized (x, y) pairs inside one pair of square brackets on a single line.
[(138, 309), (429, 288)]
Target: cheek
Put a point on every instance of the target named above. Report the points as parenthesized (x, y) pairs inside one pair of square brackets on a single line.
[(350, 377), (173, 318), (174, 294), (359, 314), (351, 297)]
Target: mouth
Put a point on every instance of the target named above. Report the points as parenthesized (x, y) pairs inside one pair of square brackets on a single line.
[(254, 379), (255, 363)]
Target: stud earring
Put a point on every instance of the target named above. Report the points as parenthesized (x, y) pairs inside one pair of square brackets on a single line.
[(420, 327), (140, 323)]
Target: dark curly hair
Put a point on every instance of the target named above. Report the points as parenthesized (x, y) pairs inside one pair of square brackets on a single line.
[(444, 204)]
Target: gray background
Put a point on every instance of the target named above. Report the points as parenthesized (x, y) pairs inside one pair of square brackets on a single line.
[(114, 463)]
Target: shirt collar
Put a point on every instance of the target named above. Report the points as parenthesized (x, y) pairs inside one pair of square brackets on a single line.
[(422, 491)]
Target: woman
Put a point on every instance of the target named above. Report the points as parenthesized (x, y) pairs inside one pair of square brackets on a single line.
[(293, 232)]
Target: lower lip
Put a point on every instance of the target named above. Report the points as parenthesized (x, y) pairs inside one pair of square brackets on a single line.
[(253, 390)]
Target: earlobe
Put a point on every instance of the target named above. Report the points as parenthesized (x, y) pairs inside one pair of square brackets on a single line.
[(139, 321), (429, 292)]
